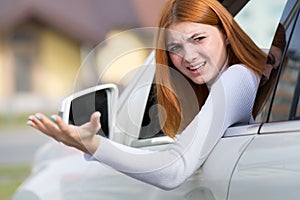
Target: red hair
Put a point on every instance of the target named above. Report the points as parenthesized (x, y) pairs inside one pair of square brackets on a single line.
[(241, 49)]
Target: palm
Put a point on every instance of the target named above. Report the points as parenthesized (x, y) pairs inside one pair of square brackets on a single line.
[(81, 137)]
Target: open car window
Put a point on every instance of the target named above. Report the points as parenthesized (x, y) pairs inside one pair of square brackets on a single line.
[(150, 127)]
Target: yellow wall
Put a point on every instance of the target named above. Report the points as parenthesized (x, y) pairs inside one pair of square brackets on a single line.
[(6, 72), (119, 63), (59, 60), (1, 68)]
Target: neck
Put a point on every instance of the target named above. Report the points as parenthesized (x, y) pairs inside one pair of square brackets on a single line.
[(212, 81)]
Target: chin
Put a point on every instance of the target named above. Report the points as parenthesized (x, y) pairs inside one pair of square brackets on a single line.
[(199, 81)]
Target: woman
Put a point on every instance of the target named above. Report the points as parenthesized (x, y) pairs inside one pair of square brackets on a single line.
[(200, 40)]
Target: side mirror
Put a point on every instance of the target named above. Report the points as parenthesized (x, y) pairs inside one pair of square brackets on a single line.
[(77, 108)]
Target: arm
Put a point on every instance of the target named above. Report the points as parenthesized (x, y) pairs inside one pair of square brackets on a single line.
[(230, 101)]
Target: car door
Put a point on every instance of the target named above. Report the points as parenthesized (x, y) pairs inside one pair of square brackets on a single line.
[(269, 168)]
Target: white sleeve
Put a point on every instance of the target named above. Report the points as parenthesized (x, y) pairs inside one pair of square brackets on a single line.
[(230, 101)]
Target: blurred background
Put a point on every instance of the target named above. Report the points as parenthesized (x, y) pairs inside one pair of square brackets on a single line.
[(46, 48), (50, 48)]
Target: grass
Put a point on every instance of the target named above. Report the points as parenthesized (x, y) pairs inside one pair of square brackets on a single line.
[(20, 119), (13, 120), (10, 179)]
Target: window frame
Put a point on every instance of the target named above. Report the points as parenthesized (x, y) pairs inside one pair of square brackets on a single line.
[(294, 18)]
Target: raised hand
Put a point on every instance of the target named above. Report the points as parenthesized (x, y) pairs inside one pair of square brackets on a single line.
[(81, 137)]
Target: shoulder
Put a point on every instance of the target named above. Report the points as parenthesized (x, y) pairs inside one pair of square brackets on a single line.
[(237, 80), (233, 94), (239, 68), (240, 73)]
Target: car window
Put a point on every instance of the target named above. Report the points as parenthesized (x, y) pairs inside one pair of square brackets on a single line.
[(150, 125), (297, 110), (266, 15), (283, 103)]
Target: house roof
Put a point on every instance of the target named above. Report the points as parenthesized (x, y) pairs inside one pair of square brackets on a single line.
[(83, 20), (87, 20)]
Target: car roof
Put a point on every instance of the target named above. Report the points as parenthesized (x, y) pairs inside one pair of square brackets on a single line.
[(234, 6)]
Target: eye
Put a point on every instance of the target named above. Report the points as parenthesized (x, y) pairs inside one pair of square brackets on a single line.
[(174, 48), (198, 39)]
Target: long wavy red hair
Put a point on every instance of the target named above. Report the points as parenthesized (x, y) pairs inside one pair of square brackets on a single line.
[(170, 94)]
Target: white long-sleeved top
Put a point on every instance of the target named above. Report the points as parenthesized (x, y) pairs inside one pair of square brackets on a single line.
[(230, 101)]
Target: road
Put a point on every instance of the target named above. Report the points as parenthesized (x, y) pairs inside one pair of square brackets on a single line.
[(18, 145)]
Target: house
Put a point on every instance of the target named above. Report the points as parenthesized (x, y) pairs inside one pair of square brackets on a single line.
[(43, 45)]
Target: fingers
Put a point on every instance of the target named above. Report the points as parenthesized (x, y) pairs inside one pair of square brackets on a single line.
[(95, 120), (43, 124), (93, 125), (79, 137), (35, 121), (60, 123)]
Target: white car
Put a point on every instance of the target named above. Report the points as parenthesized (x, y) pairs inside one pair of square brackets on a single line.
[(252, 161)]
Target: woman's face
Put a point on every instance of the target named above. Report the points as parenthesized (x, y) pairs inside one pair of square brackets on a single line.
[(197, 50)]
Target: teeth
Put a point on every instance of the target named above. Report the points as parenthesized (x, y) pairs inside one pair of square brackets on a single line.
[(197, 66)]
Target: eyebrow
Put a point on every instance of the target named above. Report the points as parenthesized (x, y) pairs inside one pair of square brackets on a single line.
[(188, 39), (170, 45), (195, 35)]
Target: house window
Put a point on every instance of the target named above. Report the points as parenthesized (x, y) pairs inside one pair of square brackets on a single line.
[(23, 48), (22, 72)]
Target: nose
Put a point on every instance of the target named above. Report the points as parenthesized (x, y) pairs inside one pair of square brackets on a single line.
[(190, 53)]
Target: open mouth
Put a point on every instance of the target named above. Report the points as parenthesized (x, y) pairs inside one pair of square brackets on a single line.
[(196, 67)]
